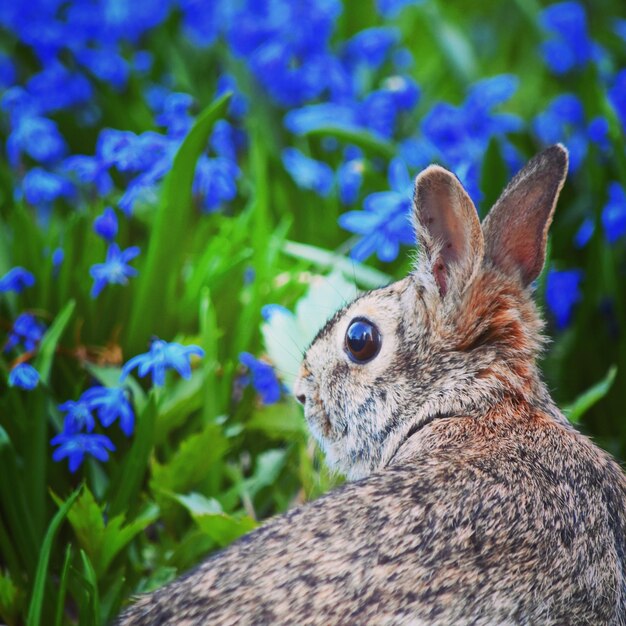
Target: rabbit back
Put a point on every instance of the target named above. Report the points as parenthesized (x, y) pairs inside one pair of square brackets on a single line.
[(488, 521)]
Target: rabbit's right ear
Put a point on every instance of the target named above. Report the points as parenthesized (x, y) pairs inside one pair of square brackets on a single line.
[(447, 227), (516, 229)]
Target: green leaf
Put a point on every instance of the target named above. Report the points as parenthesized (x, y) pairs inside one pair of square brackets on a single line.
[(361, 138), (191, 462), (117, 534), (63, 586), (286, 336), (36, 600), (210, 363), (130, 474), (183, 397), (16, 507), (268, 466), (47, 347), (283, 420), (453, 43), (208, 514), (91, 579), (325, 259), (102, 542), (111, 597), (587, 399), (161, 269)]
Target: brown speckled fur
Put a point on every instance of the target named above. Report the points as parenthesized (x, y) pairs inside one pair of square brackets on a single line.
[(473, 501)]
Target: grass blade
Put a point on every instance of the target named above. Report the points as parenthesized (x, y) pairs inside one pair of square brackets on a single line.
[(36, 602), (169, 229), (58, 621), (587, 399), (325, 259), (126, 484), (47, 348)]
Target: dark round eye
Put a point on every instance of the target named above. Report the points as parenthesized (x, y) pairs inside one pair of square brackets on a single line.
[(362, 340)]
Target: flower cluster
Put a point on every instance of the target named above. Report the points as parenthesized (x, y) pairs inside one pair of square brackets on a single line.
[(25, 334), (264, 379), (112, 404)]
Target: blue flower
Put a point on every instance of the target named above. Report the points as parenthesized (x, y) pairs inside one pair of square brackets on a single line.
[(459, 136), (215, 182), (202, 21), (619, 28), (142, 61), (402, 59), (89, 170), (404, 90), (78, 416), (175, 114), (349, 180), (161, 357), (76, 445), (570, 46), (488, 93), (598, 132), (378, 112), (38, 137), (122, 149), (269, 310), (308, 173), (617, 96), (7, 71), (562, 293), (57, 260), (371, 46), (105, 224), (564, 121), (614, 213), (285, 45), (384, 224), (110, 404), (24, 376), (16, 279), (27, 330), (115, 270), (18, 103), (238, 105), (462, 134), (56, 88), (42, 188), (584, 233), (225, 139), (264, 378), (141, 190), (107, 65)]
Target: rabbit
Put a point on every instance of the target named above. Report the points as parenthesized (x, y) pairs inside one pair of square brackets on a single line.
[(471, 499)]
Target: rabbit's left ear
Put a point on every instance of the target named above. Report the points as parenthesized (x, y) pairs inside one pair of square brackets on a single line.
[(516, 229), (447, 228)]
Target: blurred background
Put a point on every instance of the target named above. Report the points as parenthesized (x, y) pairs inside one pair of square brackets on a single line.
[(188, 190)]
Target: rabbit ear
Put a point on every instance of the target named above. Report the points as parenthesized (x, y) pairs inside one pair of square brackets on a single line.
[(516, 229), (447, 227)]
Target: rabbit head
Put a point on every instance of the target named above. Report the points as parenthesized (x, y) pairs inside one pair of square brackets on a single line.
[(455, 337)]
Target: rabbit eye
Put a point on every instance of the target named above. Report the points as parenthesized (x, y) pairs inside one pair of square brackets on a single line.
[(362, 340)]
